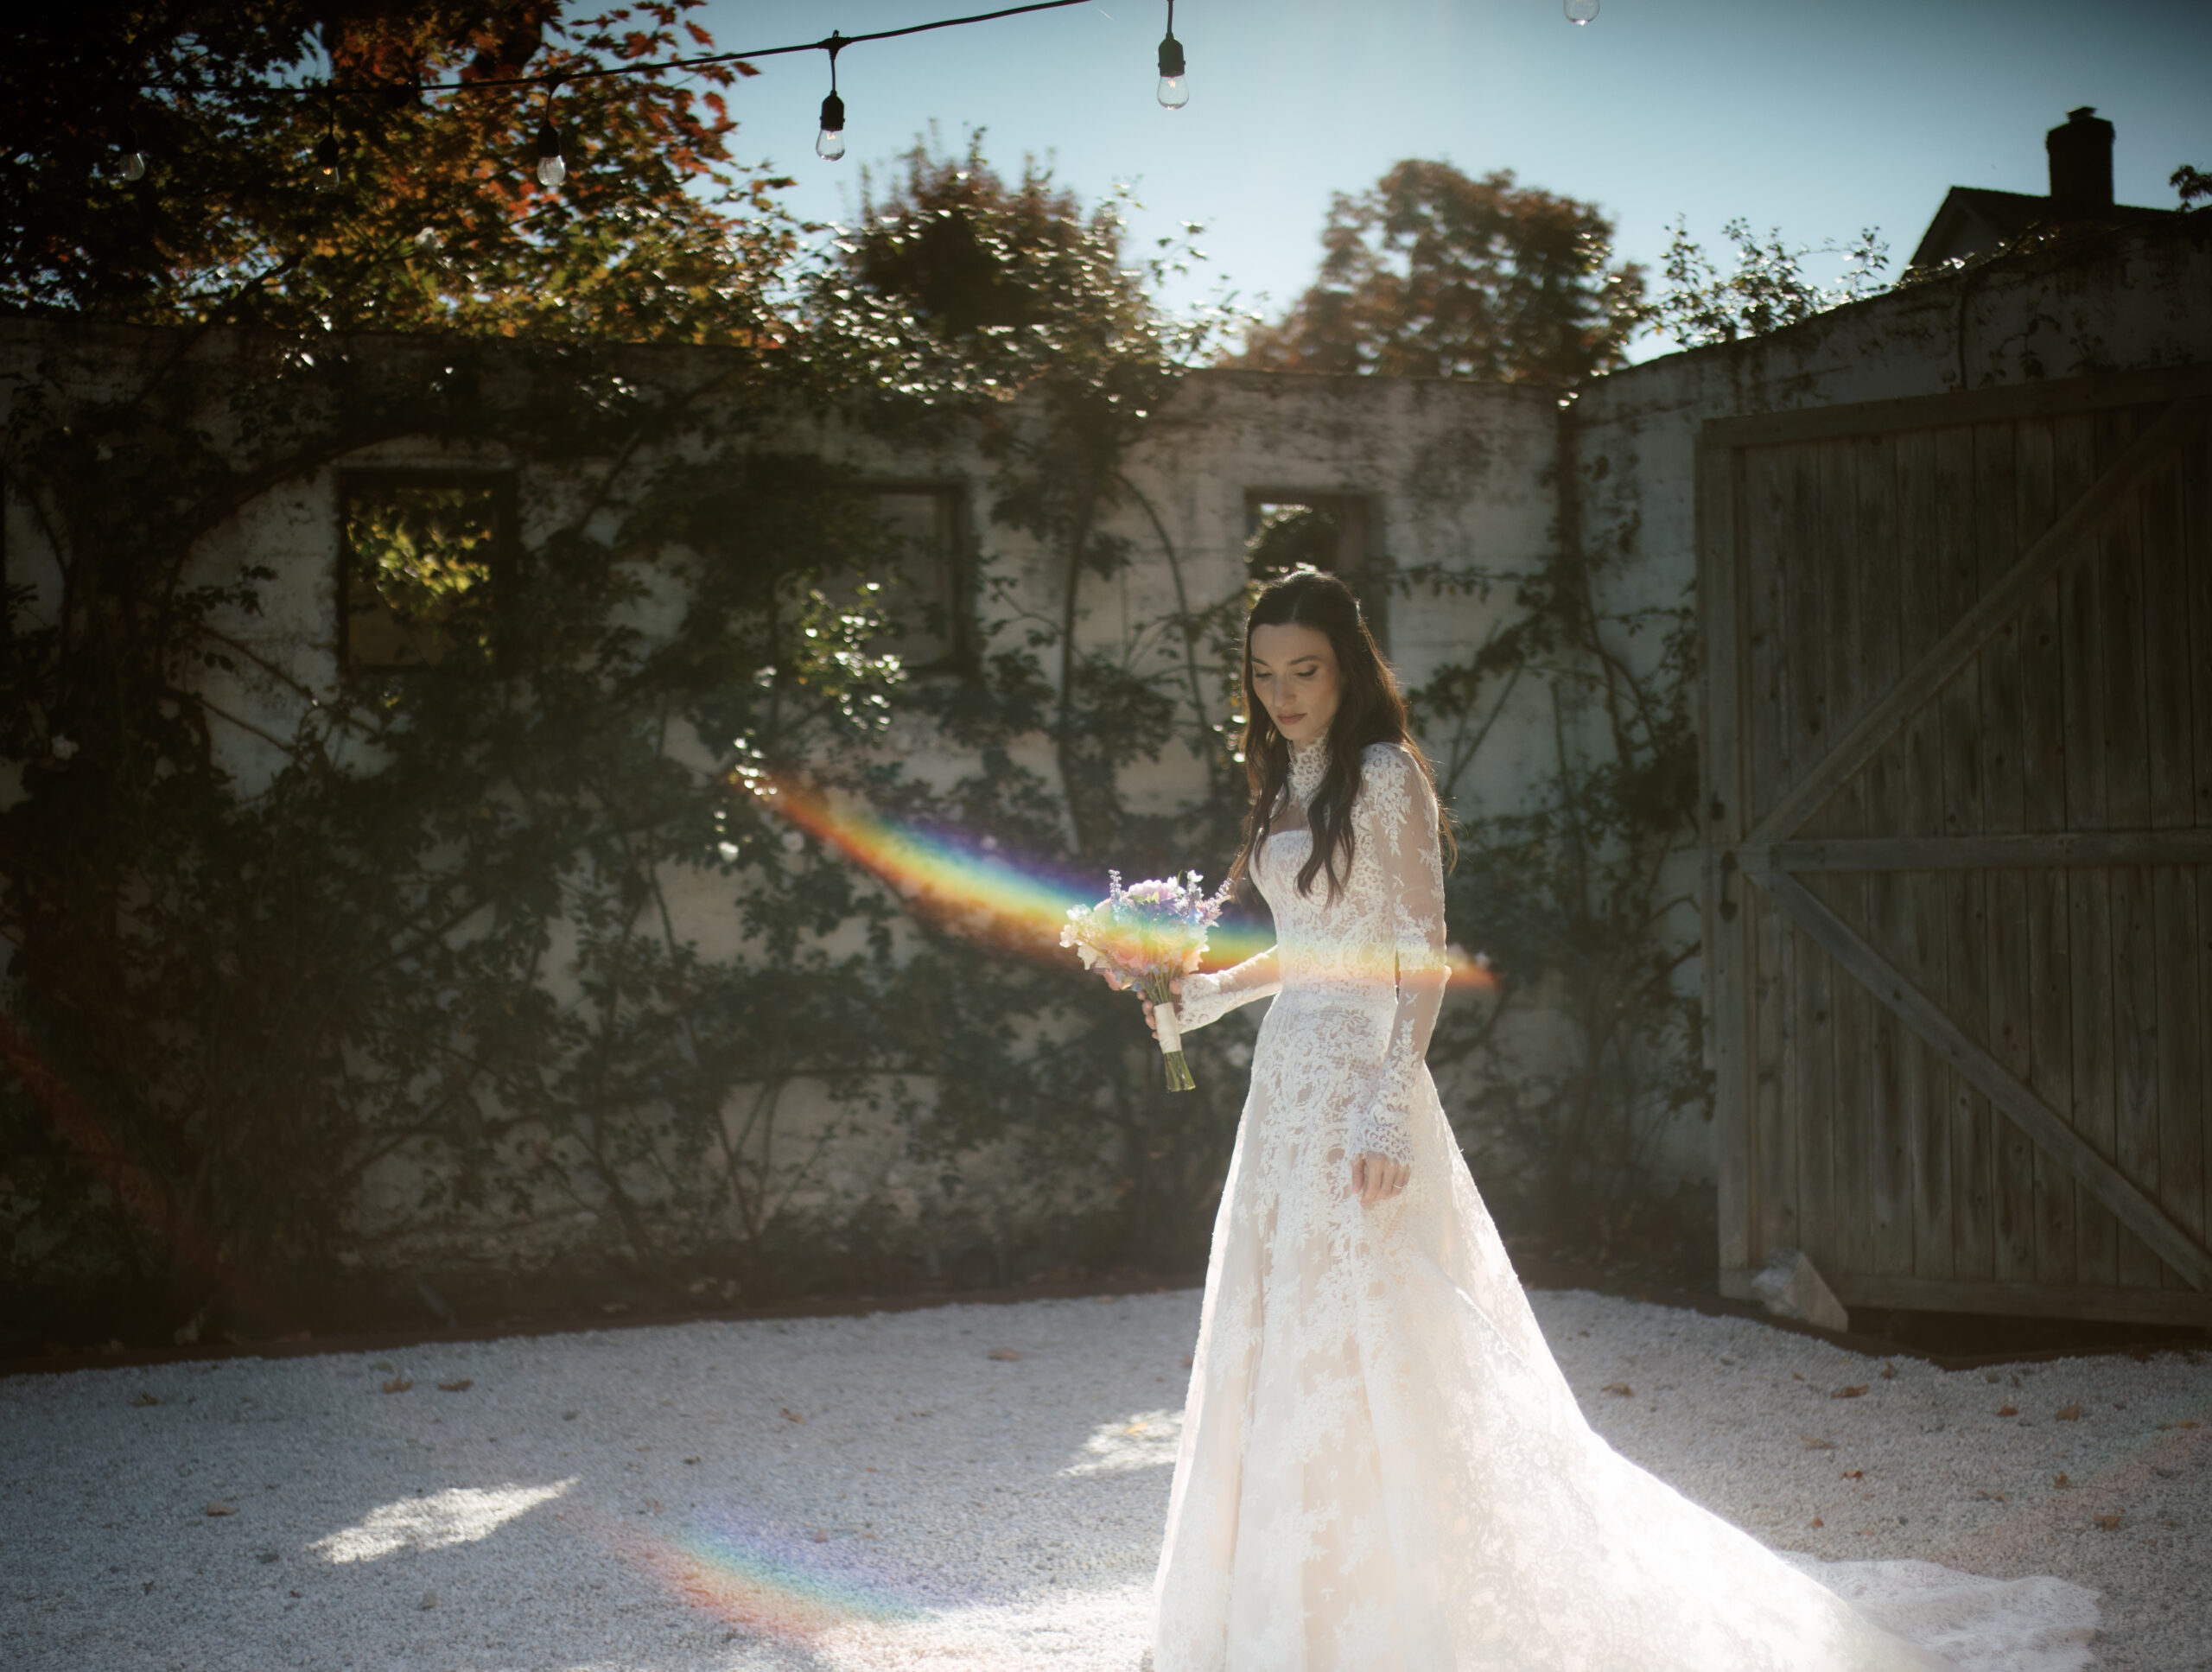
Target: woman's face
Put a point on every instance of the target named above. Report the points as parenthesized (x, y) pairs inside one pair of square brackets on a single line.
[(1293, 670)]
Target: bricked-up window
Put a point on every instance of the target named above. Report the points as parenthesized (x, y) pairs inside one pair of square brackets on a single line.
[(419, 556), (919, 568), (1284, 528)]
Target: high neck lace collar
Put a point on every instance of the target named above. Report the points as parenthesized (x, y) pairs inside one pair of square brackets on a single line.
[(1309, 764)]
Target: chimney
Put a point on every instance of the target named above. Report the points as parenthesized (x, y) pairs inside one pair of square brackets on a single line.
[(2081, 164)]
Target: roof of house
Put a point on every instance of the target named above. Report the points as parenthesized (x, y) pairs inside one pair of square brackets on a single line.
[(1973, 218)]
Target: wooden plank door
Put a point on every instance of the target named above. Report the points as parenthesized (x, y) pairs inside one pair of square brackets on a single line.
[(1957, 762)]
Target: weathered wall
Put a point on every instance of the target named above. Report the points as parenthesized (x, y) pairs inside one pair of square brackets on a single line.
[(1453, 473)]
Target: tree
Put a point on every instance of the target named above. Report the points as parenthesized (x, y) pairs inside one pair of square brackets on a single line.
[(1431, 273), (976, 288), (433, 215)]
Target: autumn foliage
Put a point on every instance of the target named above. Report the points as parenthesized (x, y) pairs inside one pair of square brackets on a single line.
[(434, 217)]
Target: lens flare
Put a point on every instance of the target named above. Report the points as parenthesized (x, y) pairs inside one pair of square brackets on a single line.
[(784, 1584), (968, 890)]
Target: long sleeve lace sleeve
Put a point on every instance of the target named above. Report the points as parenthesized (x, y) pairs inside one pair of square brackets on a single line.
[(1397, 815), (1208, 998)]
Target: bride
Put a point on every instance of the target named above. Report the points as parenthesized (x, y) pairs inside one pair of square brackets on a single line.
[(1382, 1467)]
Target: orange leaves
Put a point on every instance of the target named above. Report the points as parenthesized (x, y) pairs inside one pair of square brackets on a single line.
[(1858, 1392), (2008, 1410), (2109, 1523), (1852, 1474), (1621, 1389), (2070, 1414), (399, 1384), (219, 1508), (2060, 1480), (791, 1415), (461, 1386)]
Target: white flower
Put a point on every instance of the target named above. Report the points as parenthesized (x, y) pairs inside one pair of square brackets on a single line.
[(64, 748)]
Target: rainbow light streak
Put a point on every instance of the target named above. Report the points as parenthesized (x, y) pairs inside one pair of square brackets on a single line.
[(981, 897), (774, 1584)]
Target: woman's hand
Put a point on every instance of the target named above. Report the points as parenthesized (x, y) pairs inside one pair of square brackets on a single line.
[(1174, 986), (1377, 1177)]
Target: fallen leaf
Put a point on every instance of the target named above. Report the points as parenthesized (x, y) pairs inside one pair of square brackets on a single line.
[(294, 1593), (2060, 1479), (1889, 1372), (1620, 1388), (1851, 1393), (1004, 1355), (2110, 1524), (1815, 1443), (219, 1508), (1994, 1498), (1817, 1522), (461, 1386), (791, 1415), (398, 1384), (2008, 1410), (1794, 1377), (821, 1537), (145, 1399), (691, 1459), (1852, 1474), (2071, 1413)]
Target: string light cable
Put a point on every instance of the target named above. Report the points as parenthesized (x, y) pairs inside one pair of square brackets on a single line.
[(1173, 91)]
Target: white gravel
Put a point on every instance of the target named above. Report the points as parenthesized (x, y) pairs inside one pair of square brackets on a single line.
[(876, 1492)]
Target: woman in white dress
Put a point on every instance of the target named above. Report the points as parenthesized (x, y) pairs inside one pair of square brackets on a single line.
[(1381, 1468)]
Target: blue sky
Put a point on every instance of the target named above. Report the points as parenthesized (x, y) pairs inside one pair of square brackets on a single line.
[(1819, 117)]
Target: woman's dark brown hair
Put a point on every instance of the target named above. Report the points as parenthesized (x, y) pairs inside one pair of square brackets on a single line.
[(1370, 709)]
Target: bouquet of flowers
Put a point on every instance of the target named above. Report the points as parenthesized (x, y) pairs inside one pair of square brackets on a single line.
[(1144, 937)]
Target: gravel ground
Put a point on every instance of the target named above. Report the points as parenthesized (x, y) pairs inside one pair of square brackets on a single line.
[(972, 1487)]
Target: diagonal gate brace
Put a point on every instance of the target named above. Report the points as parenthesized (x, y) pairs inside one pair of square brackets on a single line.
[(2026, 1111)]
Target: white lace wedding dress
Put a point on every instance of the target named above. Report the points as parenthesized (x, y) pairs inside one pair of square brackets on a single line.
[(1382, 1466)]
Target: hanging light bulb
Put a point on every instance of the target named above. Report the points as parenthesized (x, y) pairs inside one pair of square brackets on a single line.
[(1174, 84), (1579, 11), (132, 163), (830, 143), (552, 167), (326, 163)]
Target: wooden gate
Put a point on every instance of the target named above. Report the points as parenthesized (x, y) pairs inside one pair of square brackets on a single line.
[(1957, 769)]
